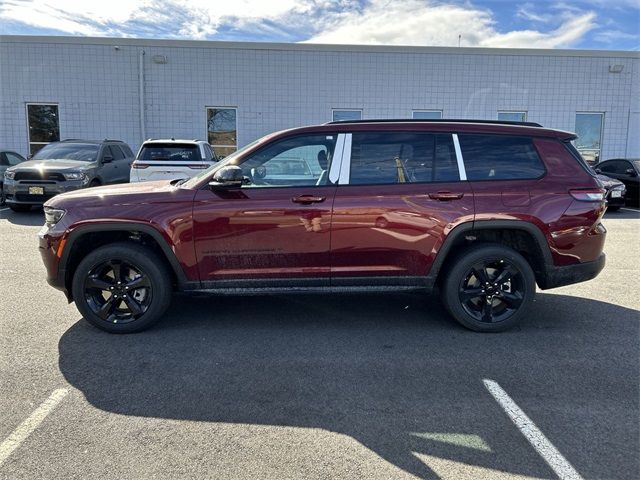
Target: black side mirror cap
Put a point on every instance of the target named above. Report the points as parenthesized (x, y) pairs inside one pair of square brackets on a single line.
[(107, 159), (227, 177)]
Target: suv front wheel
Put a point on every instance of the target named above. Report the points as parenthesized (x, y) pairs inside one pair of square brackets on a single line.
[(121, 288), (489, 288)]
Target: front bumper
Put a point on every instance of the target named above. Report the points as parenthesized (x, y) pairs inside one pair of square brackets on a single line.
[(17, 192), (569, 274), (50, 248)]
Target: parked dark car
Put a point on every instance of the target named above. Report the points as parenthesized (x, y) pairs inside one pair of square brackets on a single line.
[(8, 158), (65, 166), (616, 192), (481, 210), (627, 170)]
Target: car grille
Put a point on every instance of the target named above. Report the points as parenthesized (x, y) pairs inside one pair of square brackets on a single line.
[(25, 197), (37, 175)]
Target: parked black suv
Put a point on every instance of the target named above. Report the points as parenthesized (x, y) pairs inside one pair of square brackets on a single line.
[(65, 166)]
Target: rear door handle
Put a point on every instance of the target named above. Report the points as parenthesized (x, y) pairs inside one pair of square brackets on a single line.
[(307, 199), (446, 196)]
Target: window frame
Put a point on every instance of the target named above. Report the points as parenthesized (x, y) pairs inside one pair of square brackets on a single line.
[(43, 144), (345, 167), (333, 110), (525, 112), (599, 149), (423, 110), (206, 125)]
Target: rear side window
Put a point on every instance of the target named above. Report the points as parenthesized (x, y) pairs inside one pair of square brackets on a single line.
[(170, 152), (500, 157), (402, 157), (116, 152)]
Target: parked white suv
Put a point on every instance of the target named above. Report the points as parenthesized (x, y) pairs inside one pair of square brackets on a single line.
[(171, 159)]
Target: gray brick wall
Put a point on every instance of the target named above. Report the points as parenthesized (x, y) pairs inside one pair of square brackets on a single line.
[(282, 86)]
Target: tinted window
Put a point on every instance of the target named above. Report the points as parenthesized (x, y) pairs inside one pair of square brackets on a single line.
[(14, 158), (170, 152), (116, 153), (614, 166), (500, 157), (127, 151), (70, 151), (384, 158), (302, 160)]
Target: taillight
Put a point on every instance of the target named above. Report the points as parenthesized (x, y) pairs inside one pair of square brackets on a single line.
[(198, 166), (588, 194), (139, 165)]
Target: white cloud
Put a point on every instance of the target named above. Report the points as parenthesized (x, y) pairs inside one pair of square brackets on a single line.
[(419, 22), (399, 22)]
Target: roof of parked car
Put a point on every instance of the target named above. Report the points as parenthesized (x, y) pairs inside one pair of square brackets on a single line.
[(173, 140)]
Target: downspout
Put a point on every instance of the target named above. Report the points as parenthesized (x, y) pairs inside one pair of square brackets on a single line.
[(141, 95)]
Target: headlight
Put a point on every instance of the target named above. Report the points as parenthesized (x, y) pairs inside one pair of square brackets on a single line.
[(9, 175), (618, 187), (75, 176), (53, 215)]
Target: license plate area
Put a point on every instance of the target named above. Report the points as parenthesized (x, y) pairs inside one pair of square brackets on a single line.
[(36, 190), (616, 194)]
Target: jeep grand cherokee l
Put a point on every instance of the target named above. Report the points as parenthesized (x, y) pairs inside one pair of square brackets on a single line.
[(65, 166), (482, 210)]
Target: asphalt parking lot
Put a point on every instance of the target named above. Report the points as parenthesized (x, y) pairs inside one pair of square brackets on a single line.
[(291, 387)]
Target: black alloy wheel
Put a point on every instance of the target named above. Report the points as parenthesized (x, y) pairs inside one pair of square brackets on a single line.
[(117, 291)]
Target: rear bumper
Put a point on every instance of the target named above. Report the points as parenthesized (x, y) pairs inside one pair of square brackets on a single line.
[(569, 274)]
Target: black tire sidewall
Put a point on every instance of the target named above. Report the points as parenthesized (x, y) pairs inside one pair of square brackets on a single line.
[(460, 267), (147, 262), (19, 208)]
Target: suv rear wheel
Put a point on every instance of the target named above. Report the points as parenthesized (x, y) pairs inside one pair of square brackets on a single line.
[(121, 288), (489, 288)]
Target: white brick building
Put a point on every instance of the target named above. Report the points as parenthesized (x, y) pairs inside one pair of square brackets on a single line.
[(132, 89)]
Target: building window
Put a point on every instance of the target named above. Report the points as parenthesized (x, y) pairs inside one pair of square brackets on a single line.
[(512, 116), (589, 131), (344, 114), (427, 114), (43, 123), (222, 130)]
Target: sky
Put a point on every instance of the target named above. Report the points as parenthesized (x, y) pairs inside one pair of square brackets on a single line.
[(584, 24)]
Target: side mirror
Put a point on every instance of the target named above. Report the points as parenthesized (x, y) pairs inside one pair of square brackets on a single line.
[(631, 172), (107, 159), (30, 156), (227, 177), (598, 171)]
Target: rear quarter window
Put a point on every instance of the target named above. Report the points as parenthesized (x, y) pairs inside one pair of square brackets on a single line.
[(500, 157)]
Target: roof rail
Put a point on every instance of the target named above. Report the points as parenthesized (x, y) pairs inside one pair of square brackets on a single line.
[(434, 120)]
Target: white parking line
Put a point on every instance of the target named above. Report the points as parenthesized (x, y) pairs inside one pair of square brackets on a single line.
[(630, 210), (532, 433), (27, 427), (3, 209)]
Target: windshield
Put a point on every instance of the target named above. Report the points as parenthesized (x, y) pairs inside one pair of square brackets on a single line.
[(85, 152), (170, 151), (229, 160)]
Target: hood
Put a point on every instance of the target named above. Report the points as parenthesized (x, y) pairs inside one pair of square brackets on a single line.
[(52, 164), (608, 182), (121, 194)]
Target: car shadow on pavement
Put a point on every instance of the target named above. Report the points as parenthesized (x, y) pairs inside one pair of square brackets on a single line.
[(391, 371), (34, 217)]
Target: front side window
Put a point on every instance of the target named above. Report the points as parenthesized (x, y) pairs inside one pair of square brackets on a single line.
[(510, 116), (346, 115), (589, 131), (222, 130), (295, 161), (402, 157), (427, 114), (43, 123), (500, 157), (116, 153)]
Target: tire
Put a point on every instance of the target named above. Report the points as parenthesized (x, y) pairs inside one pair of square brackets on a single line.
[(109, 305), (18, 207), (2, 196), (488, 274), (94, 183)]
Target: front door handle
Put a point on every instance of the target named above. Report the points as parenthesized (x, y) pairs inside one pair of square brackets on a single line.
[(446, 196), (307, 199)]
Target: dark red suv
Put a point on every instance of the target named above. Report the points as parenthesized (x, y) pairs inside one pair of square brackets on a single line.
[(478, 211)]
